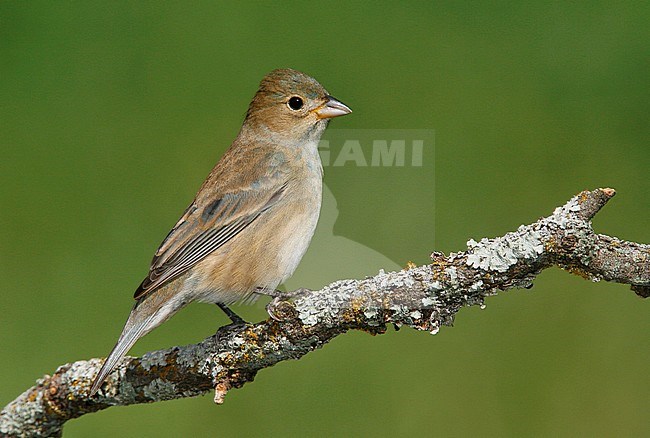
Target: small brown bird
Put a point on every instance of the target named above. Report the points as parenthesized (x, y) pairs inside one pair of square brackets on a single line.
[(252, 219)]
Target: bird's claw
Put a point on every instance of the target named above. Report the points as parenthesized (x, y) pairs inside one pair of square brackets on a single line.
[(273, 308), (279, 308)]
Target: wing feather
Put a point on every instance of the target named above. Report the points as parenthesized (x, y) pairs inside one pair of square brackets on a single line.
[(201, 231)]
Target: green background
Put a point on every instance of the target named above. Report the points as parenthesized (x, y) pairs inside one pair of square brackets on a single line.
[(112, 113)]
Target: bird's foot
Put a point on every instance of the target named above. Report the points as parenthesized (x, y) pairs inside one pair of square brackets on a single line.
[(279, 308)]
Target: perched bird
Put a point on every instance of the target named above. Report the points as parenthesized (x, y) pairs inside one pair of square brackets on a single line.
[(252, 219)]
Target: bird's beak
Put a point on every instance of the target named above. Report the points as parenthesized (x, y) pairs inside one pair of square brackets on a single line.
[(332, 108)]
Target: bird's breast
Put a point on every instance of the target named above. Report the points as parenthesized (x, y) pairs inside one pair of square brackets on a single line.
[(297, 223)]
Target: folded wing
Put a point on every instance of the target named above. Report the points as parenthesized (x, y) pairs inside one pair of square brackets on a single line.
[(206, 226)]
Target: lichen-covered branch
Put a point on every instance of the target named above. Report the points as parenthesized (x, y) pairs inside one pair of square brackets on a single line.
[(424, 298)]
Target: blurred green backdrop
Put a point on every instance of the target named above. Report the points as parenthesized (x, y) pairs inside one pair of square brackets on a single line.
[(112, 113)]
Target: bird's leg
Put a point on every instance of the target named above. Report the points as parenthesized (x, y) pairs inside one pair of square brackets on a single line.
[(236, 319)]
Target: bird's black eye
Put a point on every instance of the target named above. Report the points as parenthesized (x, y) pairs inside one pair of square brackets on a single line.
[(295, 103)]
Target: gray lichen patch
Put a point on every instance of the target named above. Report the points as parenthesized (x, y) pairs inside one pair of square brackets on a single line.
[(154, 359), (123, 392), (562, 216), (324, 306), (452, 273), (160, 389), (429, 301), (373, 295), (188, 357), (84, 372), (500, 253)]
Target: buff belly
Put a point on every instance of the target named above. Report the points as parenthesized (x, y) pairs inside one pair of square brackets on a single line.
[(248, 262)]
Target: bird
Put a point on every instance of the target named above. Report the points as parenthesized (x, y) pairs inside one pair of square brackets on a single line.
[(252, 219)]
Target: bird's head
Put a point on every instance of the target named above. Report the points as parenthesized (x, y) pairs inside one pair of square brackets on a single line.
[(291, 104)]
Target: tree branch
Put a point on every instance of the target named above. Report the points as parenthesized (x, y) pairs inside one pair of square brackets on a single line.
[(423, 298)]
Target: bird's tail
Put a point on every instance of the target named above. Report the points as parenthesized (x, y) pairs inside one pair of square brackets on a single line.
[(144, 317)]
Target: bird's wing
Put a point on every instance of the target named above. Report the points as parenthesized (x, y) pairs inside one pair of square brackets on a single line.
[(208, 223)]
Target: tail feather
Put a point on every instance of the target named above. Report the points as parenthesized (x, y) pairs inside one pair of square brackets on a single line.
[(147, 313), (133, 330)]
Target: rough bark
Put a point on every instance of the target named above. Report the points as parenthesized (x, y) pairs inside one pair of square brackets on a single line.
[(422, 297)]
